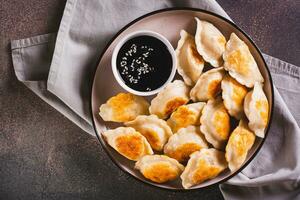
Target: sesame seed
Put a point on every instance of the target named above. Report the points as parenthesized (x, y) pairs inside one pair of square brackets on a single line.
[(123, 63)]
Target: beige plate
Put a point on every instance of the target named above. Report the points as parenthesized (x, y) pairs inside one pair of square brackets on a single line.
[(167, 22)]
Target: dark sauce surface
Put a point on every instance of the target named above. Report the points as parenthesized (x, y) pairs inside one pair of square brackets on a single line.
[(144, 63)]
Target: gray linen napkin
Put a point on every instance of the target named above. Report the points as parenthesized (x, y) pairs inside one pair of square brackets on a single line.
[(59, 68)]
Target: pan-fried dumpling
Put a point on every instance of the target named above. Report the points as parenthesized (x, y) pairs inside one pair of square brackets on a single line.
[(155, 130), (186, 115), (210, 42), (239, 143), (203, 165), (159, 168), (239, 62), (233, 94), (189, 63), (208, 85), (215, 123), (128, 142), (256, 108), (185, 142), (123, 107), (169, 99)]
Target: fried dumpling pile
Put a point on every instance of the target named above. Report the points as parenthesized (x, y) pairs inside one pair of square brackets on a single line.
[(203, 165), (233, 94), (256, 108), (196, 127), (128, 142), (185, 142), (240, 142), (169, 99), (159, 168), (155, 130), (123, 107), (186, 115), (215, 123), (208, 85), (189, 63), (239, 62), (210, 42)]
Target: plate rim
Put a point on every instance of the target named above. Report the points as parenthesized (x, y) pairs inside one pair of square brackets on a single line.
[(181, 9)]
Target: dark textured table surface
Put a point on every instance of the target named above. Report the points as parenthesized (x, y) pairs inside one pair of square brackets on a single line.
[(44, 156)]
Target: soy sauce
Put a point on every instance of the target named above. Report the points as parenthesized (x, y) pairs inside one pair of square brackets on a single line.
[(144, 63)]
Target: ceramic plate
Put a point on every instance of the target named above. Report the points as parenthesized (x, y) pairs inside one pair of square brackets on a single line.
[(167, 22)]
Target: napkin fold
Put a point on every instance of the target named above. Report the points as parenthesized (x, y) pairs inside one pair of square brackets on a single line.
[(59, 69)]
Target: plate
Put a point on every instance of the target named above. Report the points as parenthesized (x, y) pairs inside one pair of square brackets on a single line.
[(168, 22)]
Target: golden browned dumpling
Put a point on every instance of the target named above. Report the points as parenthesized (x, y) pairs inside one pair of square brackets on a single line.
[(189, 63), (156, 131), (256, 108), (128, 142), (123, 107), (186, 115), (215, 123), (239, 143), (185, 142), (169, 99), (203, 165), (233, 94), (239, 62), (210, 42), (208, 85), (159, 168)]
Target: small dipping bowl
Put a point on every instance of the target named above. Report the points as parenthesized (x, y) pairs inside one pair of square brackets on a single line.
[(143, 62)]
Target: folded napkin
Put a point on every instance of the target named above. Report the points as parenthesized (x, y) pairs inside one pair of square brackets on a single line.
[(59, 69)]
